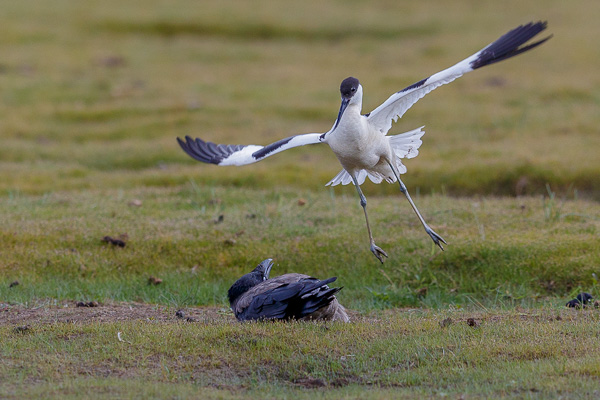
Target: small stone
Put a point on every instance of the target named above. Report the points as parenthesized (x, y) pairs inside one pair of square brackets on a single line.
[(135, 203), (111, 61), (472, 322), (114, 242), (154, 281), (87, 304)]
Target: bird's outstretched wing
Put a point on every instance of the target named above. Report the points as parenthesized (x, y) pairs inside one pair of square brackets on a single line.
[(231, 154), (290, 300), (507, 46)]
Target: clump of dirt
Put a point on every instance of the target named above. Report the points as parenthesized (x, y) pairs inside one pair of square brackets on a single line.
[(51, 311), (114, 241), (310, 383), (180, 314), (87, 304), (154, 281)]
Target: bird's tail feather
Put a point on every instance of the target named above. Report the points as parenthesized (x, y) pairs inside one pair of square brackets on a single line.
[(316, 296)]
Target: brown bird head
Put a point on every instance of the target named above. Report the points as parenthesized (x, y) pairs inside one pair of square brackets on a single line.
[(251, 279)]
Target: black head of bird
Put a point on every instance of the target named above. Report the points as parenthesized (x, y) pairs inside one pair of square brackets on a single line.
[(251, 279), (349, 87), (351, 92)]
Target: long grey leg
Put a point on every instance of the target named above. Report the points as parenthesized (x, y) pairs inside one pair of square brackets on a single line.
[(437, 239), (376, 250)]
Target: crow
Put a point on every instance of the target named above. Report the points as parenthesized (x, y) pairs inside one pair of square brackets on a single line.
[(255, 297)]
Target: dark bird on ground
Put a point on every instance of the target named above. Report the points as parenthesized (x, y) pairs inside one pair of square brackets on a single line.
[(361, 141), (581, 301), (255, 296)]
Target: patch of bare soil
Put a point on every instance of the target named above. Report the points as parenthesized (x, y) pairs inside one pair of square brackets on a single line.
[(81, 312), (70, 311), (48, 312)]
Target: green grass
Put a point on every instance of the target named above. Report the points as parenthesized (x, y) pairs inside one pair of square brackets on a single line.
[(93, 95), (500, 251), (409, 354)]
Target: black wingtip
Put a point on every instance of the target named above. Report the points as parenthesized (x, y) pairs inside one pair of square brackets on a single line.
[(330, 280), (200, 150), (315, 302), (181, 144), (208, 152), (508, 45), (185, 147)]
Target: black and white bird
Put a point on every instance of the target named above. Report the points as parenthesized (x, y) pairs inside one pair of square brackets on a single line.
[(359, 141), (255, 296)]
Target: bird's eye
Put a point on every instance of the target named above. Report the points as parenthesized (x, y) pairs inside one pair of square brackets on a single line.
[(353, 89)]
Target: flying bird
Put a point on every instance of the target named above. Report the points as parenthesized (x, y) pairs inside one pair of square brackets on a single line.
[(255, 296), (360, 141)]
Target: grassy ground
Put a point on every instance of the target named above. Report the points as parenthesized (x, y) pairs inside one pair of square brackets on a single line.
[(412, 354), (511, 264), (500, 251), (92, 97)]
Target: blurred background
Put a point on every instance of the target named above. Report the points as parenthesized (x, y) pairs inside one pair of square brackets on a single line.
[(94, 93)]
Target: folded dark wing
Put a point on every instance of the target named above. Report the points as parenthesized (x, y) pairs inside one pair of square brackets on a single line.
[(293, 300)]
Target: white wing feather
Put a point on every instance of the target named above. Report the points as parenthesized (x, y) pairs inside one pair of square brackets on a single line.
[(222, 154), (397, 104), (507, 46)]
